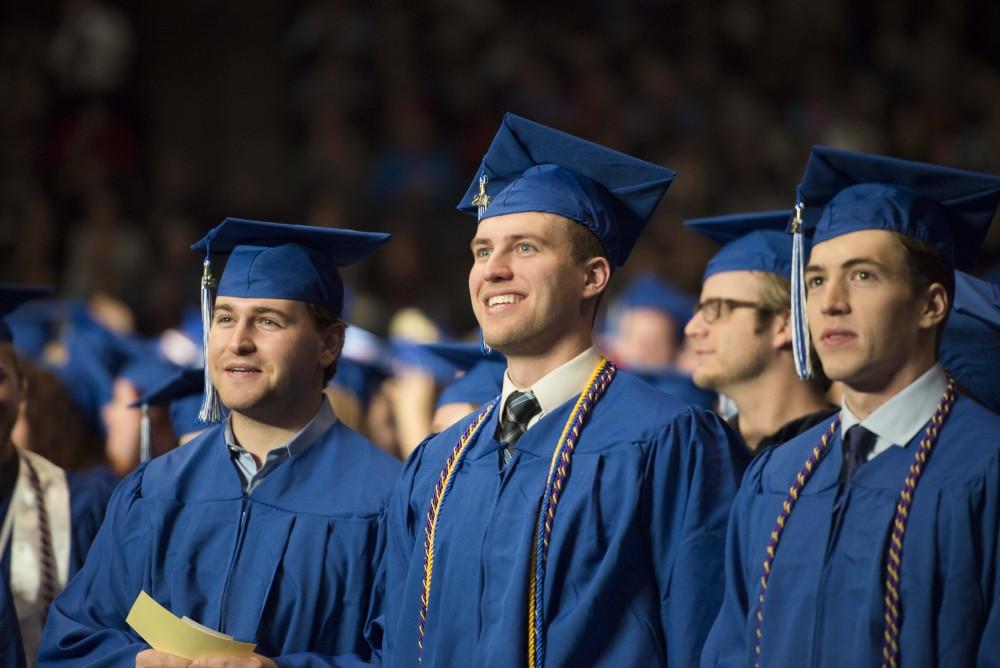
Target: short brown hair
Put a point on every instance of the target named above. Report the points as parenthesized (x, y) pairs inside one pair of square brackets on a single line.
[(584, 245), (323, 318), (927, 267), (774, 295)]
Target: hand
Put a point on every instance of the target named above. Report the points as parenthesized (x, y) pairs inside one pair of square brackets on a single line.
[(150, 658), (252, 661)]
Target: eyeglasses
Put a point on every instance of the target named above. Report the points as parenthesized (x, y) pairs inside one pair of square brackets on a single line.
[(719, 308)]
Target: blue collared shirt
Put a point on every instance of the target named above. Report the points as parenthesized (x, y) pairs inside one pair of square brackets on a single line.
[(899, 419), (251, 474)]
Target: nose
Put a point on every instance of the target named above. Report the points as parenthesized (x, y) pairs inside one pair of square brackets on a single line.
[(241, 338), (695, 327), (833, 299), (497, 268)]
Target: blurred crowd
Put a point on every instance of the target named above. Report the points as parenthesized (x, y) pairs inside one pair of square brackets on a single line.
[(385, 111)]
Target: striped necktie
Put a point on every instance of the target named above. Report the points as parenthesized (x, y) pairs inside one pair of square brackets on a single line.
[(517, 413)]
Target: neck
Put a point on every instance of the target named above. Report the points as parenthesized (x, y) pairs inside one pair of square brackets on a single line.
[(772, 400), (259, 437), (865, 398), (527, 369)]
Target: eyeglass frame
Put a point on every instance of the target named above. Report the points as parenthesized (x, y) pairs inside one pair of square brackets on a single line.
[(716, 304)]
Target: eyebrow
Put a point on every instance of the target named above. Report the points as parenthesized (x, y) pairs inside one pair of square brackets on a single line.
[(481, 241), (257, 310), (847, 264)]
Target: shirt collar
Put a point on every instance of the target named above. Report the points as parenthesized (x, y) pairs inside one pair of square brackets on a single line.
[(899, 419), (558, 385), (323, 420)]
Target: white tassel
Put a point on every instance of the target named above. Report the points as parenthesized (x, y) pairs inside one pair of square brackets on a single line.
[(211, 408), (800, 321), (145, 443)]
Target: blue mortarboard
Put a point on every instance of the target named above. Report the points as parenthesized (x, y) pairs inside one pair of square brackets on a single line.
[(679, 385), (278, 261), (531, 167), (11, 297), (365, 363), (482, 379), (970, 346), (652, 292), (841, 192), (36, 324), (750, 242), (481, 383), (182, 392)]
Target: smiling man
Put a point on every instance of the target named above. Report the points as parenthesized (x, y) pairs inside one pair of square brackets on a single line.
[(874, 538), (265, 527), (741, 332), (577, 519)]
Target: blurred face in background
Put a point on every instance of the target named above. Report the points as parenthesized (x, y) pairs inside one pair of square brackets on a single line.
[(646, 338), (727, 342)]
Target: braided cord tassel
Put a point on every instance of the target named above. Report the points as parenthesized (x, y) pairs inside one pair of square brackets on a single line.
[(559, 471), (894, 559), (801, 478), (47, 570), (441, 490)]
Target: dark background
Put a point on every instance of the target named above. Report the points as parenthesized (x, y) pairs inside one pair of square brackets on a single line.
[(130, 128)]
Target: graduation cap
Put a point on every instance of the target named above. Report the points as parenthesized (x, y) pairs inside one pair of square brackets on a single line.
[(750, 242), (36, 324), (652, 292), (842, 192), (679, 385), (482, 379), (365, 363), (970, 344), (182, 392), (277, 261), (531, 167), (11, 297)]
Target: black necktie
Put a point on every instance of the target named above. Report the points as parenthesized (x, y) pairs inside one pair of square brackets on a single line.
[(858, 445), (517, 413)]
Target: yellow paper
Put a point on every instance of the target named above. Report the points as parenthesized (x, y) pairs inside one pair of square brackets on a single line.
[(181, 637)]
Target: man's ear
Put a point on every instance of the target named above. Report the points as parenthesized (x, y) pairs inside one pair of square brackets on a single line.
[(597, 273), (935, 307), (781, 330), (333, 343)]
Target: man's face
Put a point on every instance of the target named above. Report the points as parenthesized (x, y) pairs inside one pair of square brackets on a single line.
[(646, 339), (863, 315), (11, 392), (526, 290), (265, 356), (732, 349)]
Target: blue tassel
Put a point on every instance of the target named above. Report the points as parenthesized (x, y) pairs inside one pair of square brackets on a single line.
[(800, 321), (211, 407)]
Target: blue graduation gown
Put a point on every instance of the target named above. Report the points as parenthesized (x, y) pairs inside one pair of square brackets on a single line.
[(824, 597), (289, 567), (635, 551), (11, 651)]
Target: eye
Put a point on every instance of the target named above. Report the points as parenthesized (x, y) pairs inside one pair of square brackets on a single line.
[(269, 322), (813, 282), (525, 247), (223, 319), (863, 275), (482, 251)]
